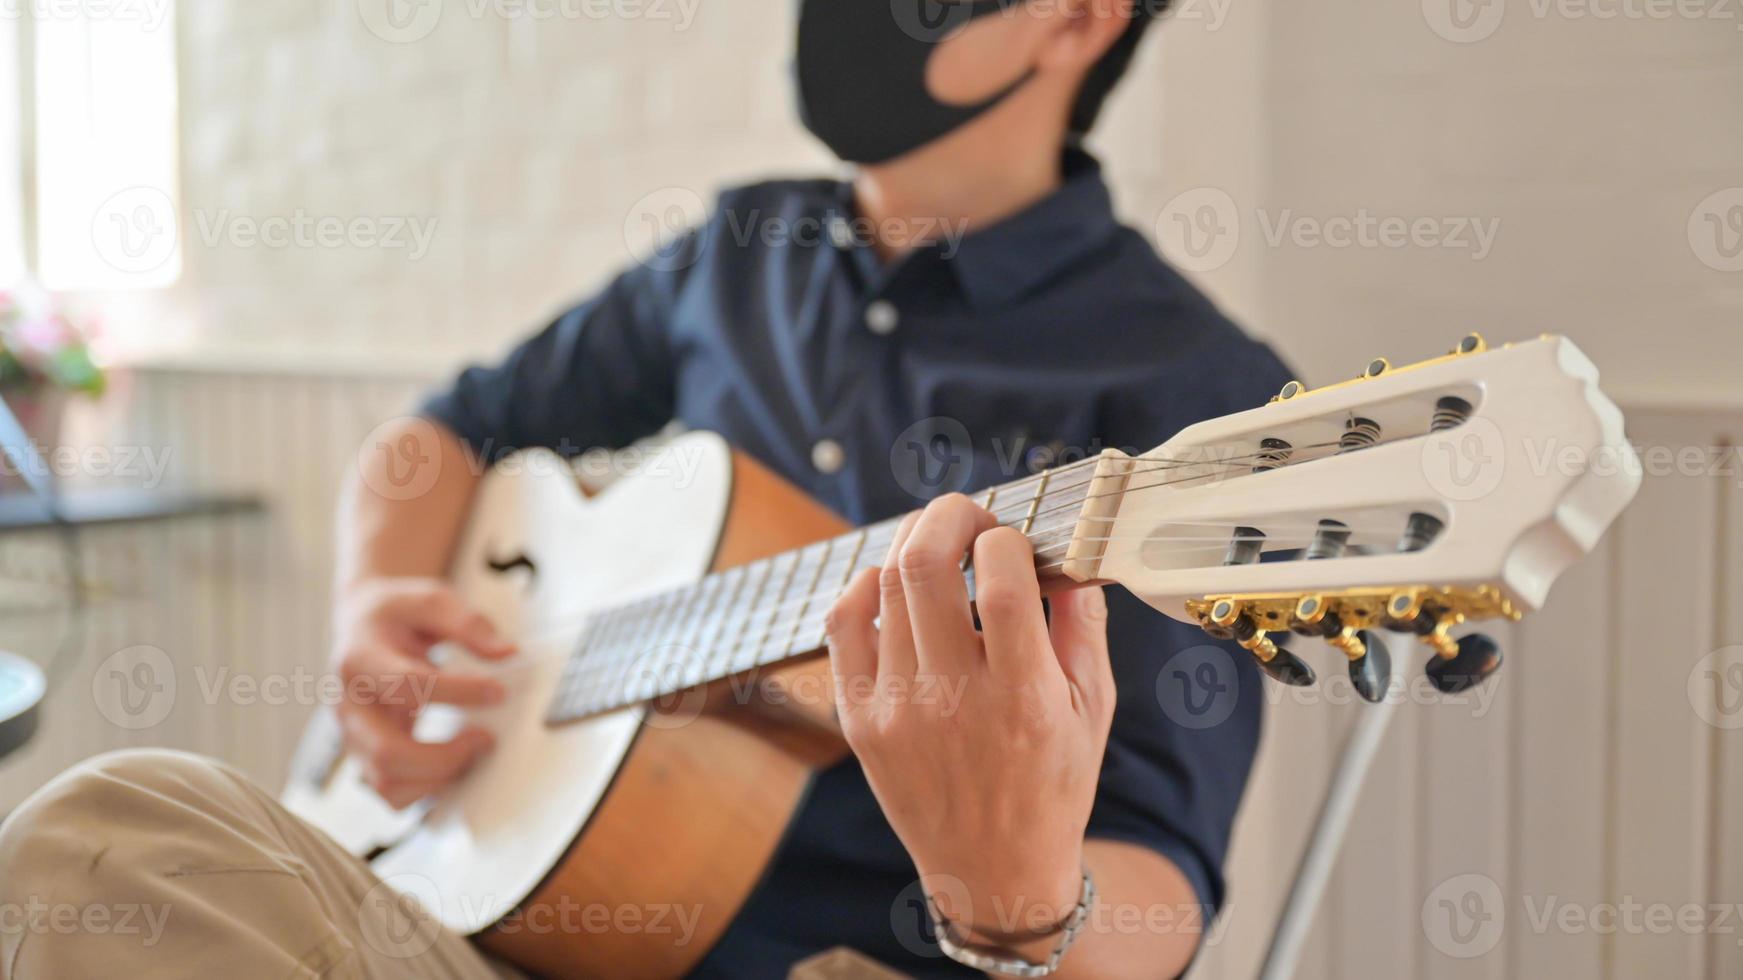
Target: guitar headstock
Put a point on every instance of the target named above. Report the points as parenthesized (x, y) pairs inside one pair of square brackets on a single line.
[(1412, 498)]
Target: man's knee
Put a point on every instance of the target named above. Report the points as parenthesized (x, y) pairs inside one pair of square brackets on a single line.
[(77, 811)]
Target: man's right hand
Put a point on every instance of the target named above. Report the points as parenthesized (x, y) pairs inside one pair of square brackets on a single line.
[(385, 628)]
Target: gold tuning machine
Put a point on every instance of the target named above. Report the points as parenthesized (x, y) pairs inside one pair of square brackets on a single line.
[(1229, 618), (1350, 621)]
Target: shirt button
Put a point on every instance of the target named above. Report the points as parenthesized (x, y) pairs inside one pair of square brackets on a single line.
[(881, 317), (840, 235), (828, 456)]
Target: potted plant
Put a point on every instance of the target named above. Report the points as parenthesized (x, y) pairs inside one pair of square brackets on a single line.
[(45, 358)]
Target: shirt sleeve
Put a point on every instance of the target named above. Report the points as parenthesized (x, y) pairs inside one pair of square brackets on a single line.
[(600, 375), (1187, 725), (1184, 735)]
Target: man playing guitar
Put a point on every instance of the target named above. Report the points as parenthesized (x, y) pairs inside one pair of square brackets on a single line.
[(972, 271)]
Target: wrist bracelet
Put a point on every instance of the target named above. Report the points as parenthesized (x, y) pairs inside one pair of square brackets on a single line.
[(1003, 962)]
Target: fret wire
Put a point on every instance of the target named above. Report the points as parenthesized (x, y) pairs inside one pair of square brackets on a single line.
[(640, 658), (849, 567), (626, 663), (879, 537), (656, 653), (611, 656), (716, 644), (865, 543), (648, 652), (777, 614), (819, 615), (667, 626), (679, 655), (631, 656), (815, 618), (690, 629), (854, 564), (742, 626), (696, 639), (853, 560), (780, 595), (811, 590), (610, 663), (616, 623), (1035, 505)]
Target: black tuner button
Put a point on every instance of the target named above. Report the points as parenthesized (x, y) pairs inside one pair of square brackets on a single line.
[(1372, 671), (1421, 624), (1286, 668), (1478, 657)]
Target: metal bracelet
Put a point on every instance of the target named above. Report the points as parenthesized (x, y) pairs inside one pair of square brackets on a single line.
[(1010, 965)]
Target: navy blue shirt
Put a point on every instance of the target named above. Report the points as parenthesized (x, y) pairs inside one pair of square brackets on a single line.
[(1034, 341)]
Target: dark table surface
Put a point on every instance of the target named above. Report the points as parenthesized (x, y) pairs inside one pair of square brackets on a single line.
[(26, 512)]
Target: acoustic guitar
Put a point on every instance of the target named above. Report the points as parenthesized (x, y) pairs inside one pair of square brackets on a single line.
[(668, 707)]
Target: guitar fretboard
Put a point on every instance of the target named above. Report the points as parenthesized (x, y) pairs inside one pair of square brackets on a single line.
[(772, 610)]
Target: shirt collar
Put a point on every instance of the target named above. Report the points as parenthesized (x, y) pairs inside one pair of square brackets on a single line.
[(1005, 260)]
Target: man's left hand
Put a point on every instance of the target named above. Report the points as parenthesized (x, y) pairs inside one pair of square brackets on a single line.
[(983, 746)]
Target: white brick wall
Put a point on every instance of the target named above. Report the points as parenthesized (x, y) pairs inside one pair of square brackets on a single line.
[(528, 142)]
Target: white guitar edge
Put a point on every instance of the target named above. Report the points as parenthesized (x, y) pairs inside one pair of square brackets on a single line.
[(473, 854)]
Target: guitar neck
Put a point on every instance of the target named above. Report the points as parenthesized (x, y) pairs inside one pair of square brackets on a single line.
[(773, 609)]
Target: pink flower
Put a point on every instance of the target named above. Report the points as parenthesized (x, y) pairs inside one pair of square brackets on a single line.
[(47, 334)]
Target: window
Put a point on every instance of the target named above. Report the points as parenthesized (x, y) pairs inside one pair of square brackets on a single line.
[(11, 158), (101, 138)]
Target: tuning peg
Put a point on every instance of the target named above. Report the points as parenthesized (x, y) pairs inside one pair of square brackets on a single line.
[(1276, 661), (1285, 667), (1371, 670), (1476, 657), (1370, 663), (1376, 367)]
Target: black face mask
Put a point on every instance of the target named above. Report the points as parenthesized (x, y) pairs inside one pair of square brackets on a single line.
[(861, 73)]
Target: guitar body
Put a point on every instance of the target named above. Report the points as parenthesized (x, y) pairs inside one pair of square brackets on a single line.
[(573, 850)]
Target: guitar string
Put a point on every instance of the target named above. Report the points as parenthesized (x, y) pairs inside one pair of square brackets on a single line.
[(776, 622), (796, 626), (1230, 463), (780, 630), (774, 612), (779, 624), (1018, 513), (1019, 507), (775, 618), (1276, 533), (1272, 533)]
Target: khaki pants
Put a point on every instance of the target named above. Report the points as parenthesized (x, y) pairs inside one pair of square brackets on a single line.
[(148, 864)]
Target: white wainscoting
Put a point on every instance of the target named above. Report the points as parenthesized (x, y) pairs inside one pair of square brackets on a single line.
[(223, 598), (1585, 776)]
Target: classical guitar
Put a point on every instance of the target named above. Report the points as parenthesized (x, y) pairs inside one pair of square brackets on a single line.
[(667, 705)]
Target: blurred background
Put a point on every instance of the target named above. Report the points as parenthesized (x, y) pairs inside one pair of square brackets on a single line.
[(236, 236)]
